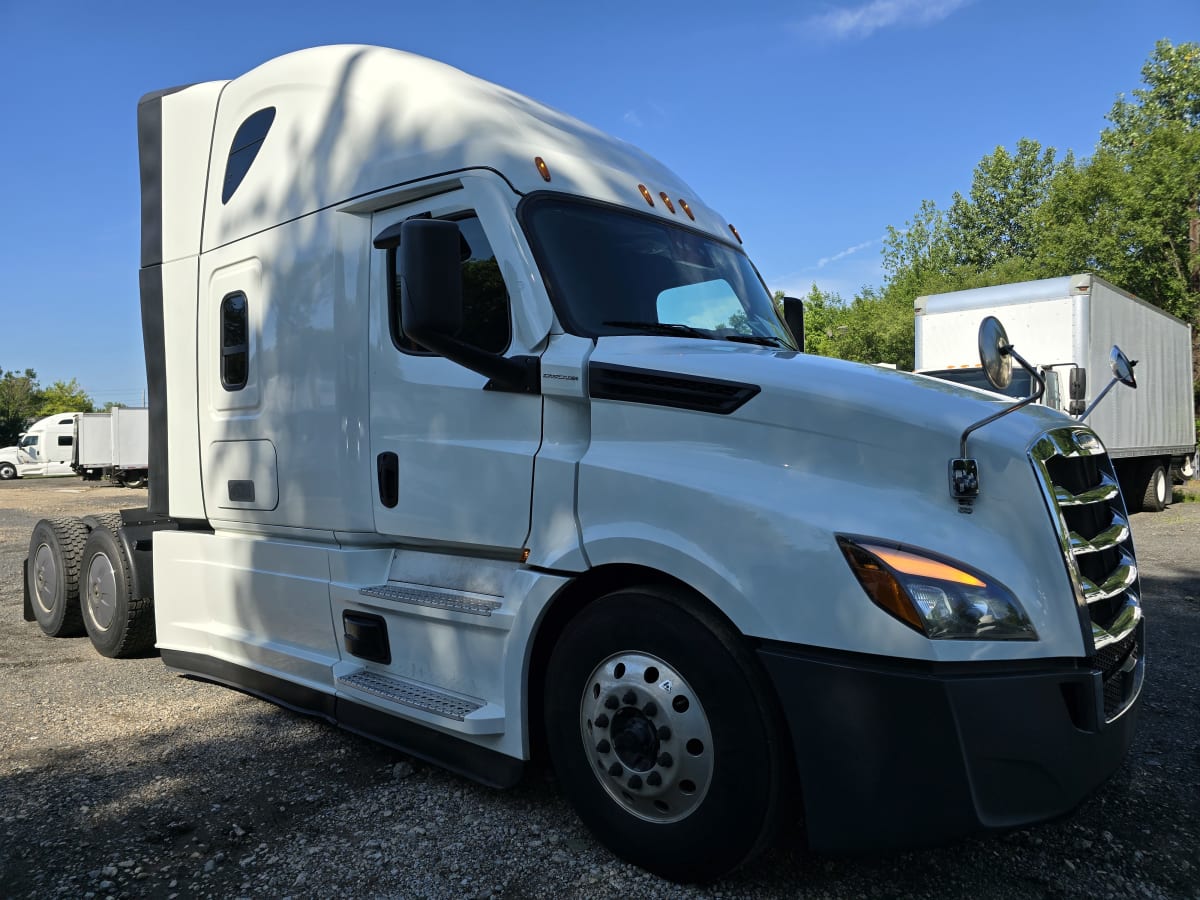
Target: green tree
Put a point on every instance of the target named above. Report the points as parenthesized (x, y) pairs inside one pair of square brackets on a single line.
[(19, 399), (64, 396)]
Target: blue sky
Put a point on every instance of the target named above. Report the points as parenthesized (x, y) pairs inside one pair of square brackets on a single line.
[(810, 126)]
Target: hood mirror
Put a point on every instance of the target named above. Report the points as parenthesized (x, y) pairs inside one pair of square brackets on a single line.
[(1122, 369), (994, 353)]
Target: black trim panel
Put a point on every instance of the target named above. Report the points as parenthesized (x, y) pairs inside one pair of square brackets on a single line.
[(155, 348), (447, 751), (608, 381)]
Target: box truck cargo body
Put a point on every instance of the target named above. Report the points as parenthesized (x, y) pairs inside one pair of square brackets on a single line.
[(114, 444), (474, 430), (1067, 328)]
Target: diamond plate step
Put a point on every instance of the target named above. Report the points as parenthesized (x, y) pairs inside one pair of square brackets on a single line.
[(463, 603), (408, 693)]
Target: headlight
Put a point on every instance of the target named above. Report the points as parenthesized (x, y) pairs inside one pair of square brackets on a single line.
[(939, 599)]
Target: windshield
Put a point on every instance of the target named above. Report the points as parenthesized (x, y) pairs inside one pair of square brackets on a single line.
[(612, 271), (1020, 386)]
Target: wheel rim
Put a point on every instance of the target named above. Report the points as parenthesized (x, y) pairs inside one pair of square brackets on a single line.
[(45, 577), (101, 591), (648, 736)]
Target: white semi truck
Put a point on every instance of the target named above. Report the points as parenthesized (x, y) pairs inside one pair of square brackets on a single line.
[(475, 431), (1067, 328), (45, 449), (113, 445)]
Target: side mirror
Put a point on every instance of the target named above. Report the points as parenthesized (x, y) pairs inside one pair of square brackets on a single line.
[(793, 315), (1078, 389), (431, 304)]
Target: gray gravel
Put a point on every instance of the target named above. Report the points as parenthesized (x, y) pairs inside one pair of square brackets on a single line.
[(119, 779)]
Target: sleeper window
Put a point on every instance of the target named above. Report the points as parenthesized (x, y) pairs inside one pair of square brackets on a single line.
[(485, 298), (235, 342)]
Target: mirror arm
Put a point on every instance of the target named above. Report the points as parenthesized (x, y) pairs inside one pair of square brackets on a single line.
[(1032, 398), (518, 374), (1087, 412)]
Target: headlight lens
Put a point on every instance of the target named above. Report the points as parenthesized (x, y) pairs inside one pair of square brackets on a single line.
[(940, 599)]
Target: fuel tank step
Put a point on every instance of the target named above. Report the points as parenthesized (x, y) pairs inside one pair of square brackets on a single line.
[(481, 717), (455, 601)]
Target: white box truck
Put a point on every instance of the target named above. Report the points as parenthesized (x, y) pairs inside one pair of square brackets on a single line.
[(45, 449), (1067, 328), (114, 445), (474, 430)]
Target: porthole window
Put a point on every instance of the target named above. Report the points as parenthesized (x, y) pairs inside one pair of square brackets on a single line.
[(246, 144), (235, 342)]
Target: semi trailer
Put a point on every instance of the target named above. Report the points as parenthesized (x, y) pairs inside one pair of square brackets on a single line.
[(474, 430), (1067, 328)]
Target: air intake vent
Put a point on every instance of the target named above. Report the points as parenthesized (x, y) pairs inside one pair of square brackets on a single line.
[(611, 382), (1081, 490)]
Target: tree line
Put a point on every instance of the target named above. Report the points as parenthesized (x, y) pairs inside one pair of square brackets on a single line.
[(23, 399), (1130, 213)]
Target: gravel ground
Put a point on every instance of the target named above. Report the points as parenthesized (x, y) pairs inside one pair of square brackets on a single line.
[(118, 778)]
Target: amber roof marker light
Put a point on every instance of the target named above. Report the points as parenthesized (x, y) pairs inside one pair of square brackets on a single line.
[(646, 194), (542, 168), (667, 201), (687, 209), (735, 233)]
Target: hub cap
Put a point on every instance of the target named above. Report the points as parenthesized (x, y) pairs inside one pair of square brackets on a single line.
[(648, 737), (101, 591), (45, 577)]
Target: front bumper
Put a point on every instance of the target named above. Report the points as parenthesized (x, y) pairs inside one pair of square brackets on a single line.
[(894, 753)]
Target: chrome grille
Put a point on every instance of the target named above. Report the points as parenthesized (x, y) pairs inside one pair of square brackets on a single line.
[(1081, 491)]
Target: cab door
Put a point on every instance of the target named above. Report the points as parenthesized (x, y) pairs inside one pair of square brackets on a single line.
[(453, 456)]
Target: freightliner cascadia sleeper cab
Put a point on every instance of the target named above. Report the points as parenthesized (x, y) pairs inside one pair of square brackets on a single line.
[(474, 430)]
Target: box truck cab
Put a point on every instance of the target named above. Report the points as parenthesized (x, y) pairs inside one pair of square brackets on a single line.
[(45, 449), (474, 430)]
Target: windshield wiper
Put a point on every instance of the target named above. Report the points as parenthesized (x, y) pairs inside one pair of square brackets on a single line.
[(664, 328), (761, 339)]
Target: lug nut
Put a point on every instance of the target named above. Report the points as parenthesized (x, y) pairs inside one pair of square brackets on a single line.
[(603, 747), (629, 699), (665, 760), (654, 779), (612, 702), (602, 720), (664, 732), (615, 770), (635, 782), (650, 709)]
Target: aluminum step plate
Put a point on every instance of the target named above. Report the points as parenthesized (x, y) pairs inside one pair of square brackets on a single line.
[(463, 603), (408, 693)]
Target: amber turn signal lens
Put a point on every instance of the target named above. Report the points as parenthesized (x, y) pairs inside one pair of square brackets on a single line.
[(881, 585)]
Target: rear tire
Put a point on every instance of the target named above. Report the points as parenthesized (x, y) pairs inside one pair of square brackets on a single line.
[(1157, 492), (118, 623), (665, 736), (55, 551)]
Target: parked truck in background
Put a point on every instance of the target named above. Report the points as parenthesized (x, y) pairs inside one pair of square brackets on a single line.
[(474, 430), (1067, 328), (114, 445), (45, 449)]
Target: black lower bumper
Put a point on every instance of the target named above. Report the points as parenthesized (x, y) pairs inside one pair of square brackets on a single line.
[(894, 754)]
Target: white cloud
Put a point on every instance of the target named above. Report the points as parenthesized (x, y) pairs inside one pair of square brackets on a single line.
[(849, 251), (864, 20)]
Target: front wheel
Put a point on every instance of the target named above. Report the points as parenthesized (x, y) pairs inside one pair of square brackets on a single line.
[(7, 471), (1157, 491), (664, 734)]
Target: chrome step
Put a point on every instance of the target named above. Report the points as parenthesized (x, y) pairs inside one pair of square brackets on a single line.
[(450, 600), (410, 693)]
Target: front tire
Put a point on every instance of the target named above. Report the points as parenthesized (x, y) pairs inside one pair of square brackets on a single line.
[(665, 736), (1157, 493), (55, 550), (7, 471), (118, 623)]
